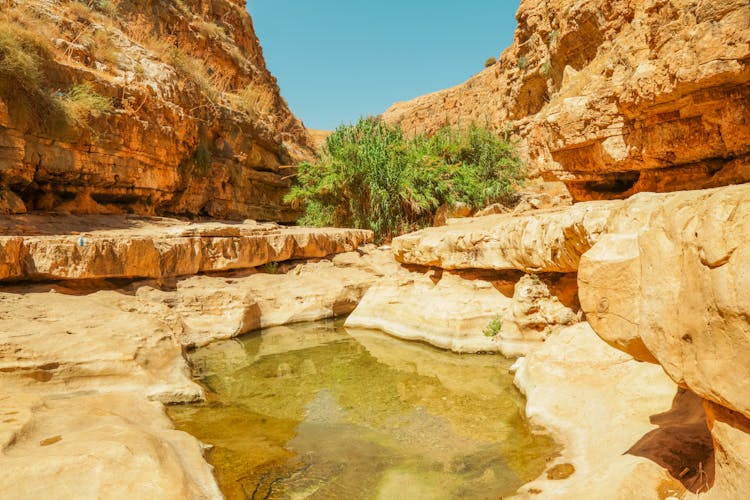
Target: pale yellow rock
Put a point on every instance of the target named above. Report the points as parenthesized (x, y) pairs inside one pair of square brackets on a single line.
[(677, 285), (54, 341), (731, 434), (596, 401), (543, 241), (452, 312), (117, 446), (213, 308)]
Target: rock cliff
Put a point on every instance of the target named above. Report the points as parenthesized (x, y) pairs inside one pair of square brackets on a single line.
[(615, 97), (141, 106)]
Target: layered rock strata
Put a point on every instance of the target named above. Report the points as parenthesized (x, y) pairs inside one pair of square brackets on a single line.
[(195, 123), (614, 98), (96, 247)]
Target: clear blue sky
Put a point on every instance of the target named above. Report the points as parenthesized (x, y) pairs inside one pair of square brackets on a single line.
[(337, 60)]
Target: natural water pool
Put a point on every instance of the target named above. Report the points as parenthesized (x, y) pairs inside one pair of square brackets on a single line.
[(317, 411)]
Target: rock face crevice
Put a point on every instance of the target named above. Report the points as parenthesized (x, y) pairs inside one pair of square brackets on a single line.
[(615, 98), (197, 126)]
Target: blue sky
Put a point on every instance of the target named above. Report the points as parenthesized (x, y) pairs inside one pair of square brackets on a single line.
[(337, 60)]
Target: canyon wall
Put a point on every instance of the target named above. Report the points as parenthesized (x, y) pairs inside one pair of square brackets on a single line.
[(615, 97), (191, 123)]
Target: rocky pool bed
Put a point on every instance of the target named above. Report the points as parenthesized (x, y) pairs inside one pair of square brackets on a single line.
[(315, 410)]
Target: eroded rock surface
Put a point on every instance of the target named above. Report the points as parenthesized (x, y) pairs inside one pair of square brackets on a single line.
[(197, 125), (463, 313), (95, 247), (98, 446), (597, 402), (615, 97), (213, 308), (540, 241), (674, 289)]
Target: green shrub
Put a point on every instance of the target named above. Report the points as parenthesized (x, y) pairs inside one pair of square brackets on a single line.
[(523, 62), (494, 327), (369, 175), (491, 61)]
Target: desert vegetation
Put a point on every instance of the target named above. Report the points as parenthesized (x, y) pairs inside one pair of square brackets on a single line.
[(370, 175)]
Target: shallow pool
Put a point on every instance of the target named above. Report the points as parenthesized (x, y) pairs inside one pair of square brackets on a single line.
[(317, 411)]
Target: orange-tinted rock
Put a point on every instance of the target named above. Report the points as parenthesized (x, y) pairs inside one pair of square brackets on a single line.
[(94, 247), (179, 140), (615, 97)]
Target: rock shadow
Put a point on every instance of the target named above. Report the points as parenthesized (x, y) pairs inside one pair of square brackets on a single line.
[(682, 444)]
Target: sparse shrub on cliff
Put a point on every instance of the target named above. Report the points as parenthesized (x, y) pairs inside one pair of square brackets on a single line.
[(369, 175), (523, 62), (81, 103), (21, 55), (256, 101), (491, 61)]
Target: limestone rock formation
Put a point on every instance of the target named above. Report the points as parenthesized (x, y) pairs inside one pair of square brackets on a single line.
[(98, 446), (96, 247), (191, 122), (596, 401), (455, 311), (542, 241), (214, 308), (674, 289), (615, 97)]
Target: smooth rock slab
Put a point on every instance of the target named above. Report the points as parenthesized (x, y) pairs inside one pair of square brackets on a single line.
[(597, 402), (56, 342), (117, 446)]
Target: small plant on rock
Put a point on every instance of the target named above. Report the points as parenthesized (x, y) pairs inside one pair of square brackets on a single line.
[(491, 61), (494, 327)]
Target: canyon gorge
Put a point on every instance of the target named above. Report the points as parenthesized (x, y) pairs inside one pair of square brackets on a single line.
[(137, 232)]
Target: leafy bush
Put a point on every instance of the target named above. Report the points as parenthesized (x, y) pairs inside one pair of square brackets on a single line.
[(491, 61), (369, 175), (523, 61)]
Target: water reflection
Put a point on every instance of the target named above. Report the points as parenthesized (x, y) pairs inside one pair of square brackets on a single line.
[(314, 411)]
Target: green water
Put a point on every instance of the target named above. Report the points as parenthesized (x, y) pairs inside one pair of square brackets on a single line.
[(317, 411)]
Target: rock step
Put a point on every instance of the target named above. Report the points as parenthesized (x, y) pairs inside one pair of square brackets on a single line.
[(126, 247)]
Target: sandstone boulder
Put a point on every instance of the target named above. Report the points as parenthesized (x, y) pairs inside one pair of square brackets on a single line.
[(674, 289), (597, 402)]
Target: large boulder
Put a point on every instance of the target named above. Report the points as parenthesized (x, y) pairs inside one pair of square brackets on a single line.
[(674, 289)]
